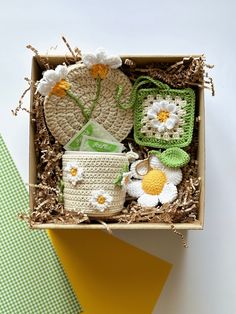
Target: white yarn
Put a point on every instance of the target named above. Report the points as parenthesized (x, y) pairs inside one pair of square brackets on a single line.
[(94, 200), (50, 78), (156, 108), (101, 57), (147, 200), (168, 194)]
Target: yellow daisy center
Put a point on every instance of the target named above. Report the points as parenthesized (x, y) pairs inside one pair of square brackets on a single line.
[(60, 88), (73, 171), (153, 182), (101, 199), (99, 70), (163, 115)]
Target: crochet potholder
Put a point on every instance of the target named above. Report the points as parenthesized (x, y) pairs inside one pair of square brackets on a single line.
[(76, 93), (164, 117)]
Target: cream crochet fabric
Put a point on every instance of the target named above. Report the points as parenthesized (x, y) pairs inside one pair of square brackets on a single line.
[(64, 117), (96, 194)]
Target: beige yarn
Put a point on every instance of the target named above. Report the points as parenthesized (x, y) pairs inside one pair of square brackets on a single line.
[(64, 117), (100, 171)]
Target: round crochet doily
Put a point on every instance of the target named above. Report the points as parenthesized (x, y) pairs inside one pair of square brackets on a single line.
[(64, 117)]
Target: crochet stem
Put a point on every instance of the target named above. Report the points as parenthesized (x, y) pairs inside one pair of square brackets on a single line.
[(95, 101), (78, 102)]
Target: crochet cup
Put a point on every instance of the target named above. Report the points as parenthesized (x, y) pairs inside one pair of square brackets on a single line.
[(89, 182)]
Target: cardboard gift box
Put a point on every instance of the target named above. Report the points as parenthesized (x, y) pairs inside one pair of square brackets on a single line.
[(37, 69)]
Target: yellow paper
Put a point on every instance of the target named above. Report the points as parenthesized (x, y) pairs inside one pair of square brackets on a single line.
[(108, 275)]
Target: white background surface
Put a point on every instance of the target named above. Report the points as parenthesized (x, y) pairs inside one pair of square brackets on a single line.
[(203, 279)]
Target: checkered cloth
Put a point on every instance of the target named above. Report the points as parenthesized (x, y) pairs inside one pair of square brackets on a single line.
[(32, 278)]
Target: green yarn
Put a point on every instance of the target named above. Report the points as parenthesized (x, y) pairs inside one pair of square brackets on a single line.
[(87, 113), (79, 103), (136, 101), (140, 81), (185, 138), (119, 176), (95, 100), (174, 157), (157, 153)]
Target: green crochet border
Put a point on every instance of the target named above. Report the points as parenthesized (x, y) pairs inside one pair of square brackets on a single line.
[(187, 94)]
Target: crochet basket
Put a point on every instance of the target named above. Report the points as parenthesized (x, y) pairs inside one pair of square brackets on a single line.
[(64, 117), (181, 134), (99, 173)]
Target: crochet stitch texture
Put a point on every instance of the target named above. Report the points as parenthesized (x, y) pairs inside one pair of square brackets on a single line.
[(181, 134)]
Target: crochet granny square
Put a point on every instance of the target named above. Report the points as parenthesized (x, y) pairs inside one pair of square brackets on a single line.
[(164, 118)]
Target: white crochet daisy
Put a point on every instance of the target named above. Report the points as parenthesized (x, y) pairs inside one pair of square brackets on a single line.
[(51, 78), (101, 57), (154, 185), (162, 115), (74, 173), (100, 200), (99, 63)]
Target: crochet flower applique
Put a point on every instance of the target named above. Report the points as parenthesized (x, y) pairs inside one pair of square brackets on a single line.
[(53, 82), (153, 183), (99, 63), (162, 115), (74, 173), (100, 200)]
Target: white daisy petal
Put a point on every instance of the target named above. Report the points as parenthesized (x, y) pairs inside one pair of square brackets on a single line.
[(168, 194), (147, 200), (101, 56), (89, 59), (156, 107), (171, 107), (151, 114), (61, 71), (44, 88), (174, 117), (100, 207), (164, 104), (134, 188), (51, 76), (141, 169), (108, 198), (114, 62), (161, 128), (173, 175), (155, 163), (169, 124), (156, 124)]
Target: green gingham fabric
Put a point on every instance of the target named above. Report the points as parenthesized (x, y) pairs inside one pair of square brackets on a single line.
[(32, 278)]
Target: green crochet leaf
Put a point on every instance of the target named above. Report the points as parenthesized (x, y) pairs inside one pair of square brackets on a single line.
[(118, 179), (154, 152), (174, 157), (125, 168)]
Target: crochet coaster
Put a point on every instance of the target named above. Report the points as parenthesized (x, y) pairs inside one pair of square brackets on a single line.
[(164, 117), (65, 116)]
